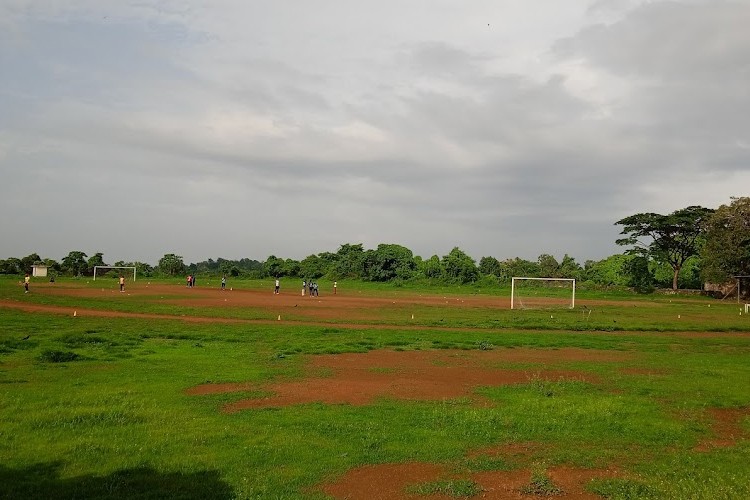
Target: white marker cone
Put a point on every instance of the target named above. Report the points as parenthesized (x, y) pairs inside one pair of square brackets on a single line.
[(412, 316), (279, 318), (75, 313)]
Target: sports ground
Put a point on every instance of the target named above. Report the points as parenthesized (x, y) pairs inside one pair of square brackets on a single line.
[(375, 392)]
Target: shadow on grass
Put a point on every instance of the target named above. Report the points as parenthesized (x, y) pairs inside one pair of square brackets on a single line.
[(43, 481)]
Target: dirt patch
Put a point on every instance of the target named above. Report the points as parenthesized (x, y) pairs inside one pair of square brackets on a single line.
[(359, 379), (397, 482), (726, 428)]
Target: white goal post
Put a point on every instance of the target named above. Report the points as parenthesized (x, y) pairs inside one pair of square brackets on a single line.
[(114, 267), (516, 300)]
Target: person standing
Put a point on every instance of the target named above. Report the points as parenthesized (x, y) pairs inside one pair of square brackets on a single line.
[(276, 287), (304, 286), (223, 283), (335, 284), (122, 283), (26, 281), (188, 281)]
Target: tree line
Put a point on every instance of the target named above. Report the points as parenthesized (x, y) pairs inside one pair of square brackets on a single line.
[(683, 249)]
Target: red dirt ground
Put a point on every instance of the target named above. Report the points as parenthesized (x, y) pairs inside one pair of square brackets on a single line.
[(361, 378), (726, 428), (393, 482)]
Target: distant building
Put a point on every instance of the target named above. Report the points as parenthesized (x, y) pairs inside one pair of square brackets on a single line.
[(39, 270)]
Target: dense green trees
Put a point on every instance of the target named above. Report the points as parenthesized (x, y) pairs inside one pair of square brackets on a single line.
[(459, 267), (689, 245), (75, 263), (727, 249), (171, 264)]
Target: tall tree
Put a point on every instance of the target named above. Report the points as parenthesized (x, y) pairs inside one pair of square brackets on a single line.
[(727, 249), (548, 266), (273, 267), (388, 262), (75, 263), (490, 266), (28, 261), (459, 267), (350, 261), (674, 238), (95, 260), (171, 264)]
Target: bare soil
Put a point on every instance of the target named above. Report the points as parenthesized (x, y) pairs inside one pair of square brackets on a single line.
[(361, 378), (398, 482), (726, 428)]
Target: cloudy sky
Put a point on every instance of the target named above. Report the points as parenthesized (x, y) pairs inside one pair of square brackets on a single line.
[(245, 128)]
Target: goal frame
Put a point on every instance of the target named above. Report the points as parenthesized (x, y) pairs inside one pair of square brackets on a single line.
[(114, 267), (523, 278)]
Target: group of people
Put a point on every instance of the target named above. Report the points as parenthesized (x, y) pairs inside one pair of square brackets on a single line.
[(311, 287), (190, 281)]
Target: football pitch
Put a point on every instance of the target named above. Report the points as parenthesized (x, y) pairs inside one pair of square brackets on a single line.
[(164, 391)]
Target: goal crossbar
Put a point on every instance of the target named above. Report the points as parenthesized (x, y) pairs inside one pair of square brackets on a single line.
[(524, 278), (114, 267)]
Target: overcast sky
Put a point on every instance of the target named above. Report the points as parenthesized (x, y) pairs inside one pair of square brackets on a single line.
[(245, 128)]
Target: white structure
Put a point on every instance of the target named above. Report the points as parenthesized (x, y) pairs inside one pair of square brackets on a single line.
[(39, 270), (114, 267), (543, 295)]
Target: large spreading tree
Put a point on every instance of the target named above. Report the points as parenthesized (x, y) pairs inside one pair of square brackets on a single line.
[(670, 239)]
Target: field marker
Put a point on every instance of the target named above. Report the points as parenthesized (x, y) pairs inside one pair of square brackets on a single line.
[(412, 316), (279, 318), (75, 313)]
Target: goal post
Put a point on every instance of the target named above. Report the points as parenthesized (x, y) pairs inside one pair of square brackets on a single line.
[(96, 268), (540, 293)]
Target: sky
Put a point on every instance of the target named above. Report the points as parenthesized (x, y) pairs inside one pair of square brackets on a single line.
[(248, 128)]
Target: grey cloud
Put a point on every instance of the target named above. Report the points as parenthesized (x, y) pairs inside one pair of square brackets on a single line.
[(670, 40)]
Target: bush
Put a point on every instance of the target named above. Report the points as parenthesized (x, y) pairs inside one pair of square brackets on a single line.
[(50, 356)]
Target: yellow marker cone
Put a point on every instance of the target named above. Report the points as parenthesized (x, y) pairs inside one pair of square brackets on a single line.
[(279, 318), (75, 313)]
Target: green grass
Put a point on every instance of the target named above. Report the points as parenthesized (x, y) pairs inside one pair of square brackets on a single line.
[(97, 407)]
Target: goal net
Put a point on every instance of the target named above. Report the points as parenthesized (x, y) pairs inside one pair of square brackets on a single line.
[(542, 293), (104, 269)]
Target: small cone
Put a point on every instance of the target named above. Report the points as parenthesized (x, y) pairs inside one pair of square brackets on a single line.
[(412, 316), (279, 318), (75, 313)]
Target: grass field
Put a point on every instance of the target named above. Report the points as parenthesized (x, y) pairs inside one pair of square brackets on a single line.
[(165, 392)]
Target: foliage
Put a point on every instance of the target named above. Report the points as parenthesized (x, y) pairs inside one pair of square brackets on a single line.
[(55, 356), (432, 268), (674, 238), (388, 262), (519, 267), (75, 263), (171, 265), (540, 484), (640, 276), (727, 249), (490, 265), (609, 271), (459, 267), (95, 260), (350, 261), (29, 261)]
